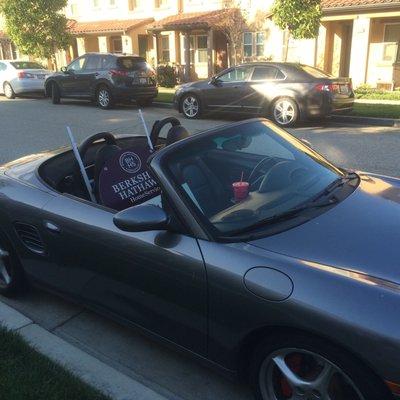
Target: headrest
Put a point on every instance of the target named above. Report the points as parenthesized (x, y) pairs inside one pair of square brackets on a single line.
[(176, 133)]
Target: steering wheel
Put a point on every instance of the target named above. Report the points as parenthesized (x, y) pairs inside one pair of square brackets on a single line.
[(255, 170), (158, 125), (108, 137)]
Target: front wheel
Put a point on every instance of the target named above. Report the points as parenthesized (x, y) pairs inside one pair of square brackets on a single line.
[(104, 98), (191, 107), (9, 91), (285, 111), (12, 279), (302, 367)]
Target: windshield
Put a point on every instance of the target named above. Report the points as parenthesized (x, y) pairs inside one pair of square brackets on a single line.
[(132, 63), (26, 65), (248, 173)]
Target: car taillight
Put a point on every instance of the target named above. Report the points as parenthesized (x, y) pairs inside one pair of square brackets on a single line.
[(118, 72), (323, 87), (25, 75)]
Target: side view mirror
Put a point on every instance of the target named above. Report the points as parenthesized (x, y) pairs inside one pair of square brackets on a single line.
[(215, 81), (64, 70), (141, 218)]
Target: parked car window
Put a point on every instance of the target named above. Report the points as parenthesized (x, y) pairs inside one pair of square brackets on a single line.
[(315, 72), (26, 65), (236, 74), (93, 63), (78, 64), (264, 73), (132, 63), (3, 67)]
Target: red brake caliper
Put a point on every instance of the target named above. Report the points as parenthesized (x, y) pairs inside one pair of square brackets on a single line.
[(294, 363)]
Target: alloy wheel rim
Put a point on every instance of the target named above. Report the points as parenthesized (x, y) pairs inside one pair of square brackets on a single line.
[(5, 276), (104, 98), (297, 374), (284, 112), (7, 90), (190, 106)]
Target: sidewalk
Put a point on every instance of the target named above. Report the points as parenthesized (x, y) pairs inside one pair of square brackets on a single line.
[(150, 371), (377, 101)]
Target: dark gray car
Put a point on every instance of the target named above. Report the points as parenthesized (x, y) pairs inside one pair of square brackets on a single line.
[(285, 92), (261, 258), (104, 78)]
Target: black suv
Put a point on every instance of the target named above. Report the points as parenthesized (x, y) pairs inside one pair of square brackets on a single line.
[(104, 78)]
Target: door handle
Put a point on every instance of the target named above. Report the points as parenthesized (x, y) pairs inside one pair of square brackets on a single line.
[(50, 226)]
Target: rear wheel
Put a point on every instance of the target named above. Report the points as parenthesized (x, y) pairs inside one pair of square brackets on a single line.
[(8, 91), (191, 107), (302, 367), (11, 274), (104, 98), (285, 111), (55, 93)]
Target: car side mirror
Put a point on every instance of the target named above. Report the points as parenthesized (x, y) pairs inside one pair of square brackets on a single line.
[(67, 71), (215, 81), (146, 217)]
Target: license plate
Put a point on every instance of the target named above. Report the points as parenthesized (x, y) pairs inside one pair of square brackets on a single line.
[(40, 76), (344, 89), (143, 81)]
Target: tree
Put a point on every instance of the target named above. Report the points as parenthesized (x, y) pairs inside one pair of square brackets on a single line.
[(233, 24), (298, 18), (37, 27)]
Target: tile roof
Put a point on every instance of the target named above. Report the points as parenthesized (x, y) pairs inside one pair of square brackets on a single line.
[(203, 19), (77, 28), (326, 4)]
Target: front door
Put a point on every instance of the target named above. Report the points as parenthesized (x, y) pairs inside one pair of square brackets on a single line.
[(143, 46), (225, 93), (155, 279), (74, 81)]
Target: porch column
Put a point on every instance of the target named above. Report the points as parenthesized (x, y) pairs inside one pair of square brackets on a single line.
[(127, 45), (359, 50), (103, 44), (187, 56), (80, 42), (1, 51), (156, 45), (320, 48), (210, 52)]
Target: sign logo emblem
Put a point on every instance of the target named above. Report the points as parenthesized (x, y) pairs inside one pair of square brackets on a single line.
[(130, 162)]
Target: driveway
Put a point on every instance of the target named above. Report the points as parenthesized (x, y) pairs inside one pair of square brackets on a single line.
[(31, 125)]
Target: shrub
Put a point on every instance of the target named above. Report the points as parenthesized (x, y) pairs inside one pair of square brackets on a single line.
[(366, 91), (166, 76)]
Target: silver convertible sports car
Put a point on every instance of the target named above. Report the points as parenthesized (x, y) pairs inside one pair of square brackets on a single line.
[(239, 245)]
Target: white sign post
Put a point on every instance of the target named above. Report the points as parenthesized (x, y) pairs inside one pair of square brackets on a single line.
[(146, 130), (81, 166)]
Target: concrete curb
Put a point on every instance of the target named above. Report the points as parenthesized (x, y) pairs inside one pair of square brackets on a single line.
[(366, 120), (86, 367)]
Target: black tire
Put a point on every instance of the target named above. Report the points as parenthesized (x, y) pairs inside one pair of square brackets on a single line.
[(285, 112), (191, 106), (365, 382), (55, 93), (8, 91), (16, 282), (144, 102), (104, 98)]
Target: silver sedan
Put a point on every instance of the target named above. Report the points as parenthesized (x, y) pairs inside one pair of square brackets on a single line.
[(20, 77)]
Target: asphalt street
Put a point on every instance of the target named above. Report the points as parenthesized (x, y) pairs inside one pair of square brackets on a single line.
[(32, 125)]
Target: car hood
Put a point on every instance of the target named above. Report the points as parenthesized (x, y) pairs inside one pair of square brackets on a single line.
[(361, 234)]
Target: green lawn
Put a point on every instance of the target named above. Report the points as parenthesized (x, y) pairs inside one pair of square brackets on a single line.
[(25, 374), (376, 110), (165, 95)]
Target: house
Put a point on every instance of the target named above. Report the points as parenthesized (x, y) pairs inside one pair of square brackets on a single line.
[(357, 38)]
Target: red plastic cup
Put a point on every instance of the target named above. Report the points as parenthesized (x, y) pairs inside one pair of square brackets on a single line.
[(240, 190)]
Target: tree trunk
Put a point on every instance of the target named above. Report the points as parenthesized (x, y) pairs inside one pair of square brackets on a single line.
[(286, 36)]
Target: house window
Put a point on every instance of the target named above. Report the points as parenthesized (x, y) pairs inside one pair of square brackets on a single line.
[(253, 44), (259, 44), (160, 3), (391, 46), (202, 49), (132, 4), (165, 48), (112, 3), (248, 44), (116, 44), (74, 9), (96, 3)]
